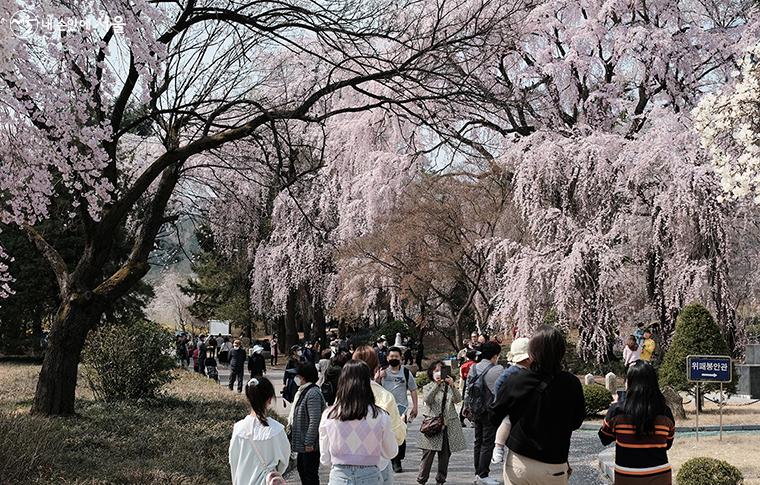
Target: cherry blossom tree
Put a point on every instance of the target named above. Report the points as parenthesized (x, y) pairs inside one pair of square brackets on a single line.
[(345, 191), (623, 215), (432, 251), (205, 79), (615, 215)]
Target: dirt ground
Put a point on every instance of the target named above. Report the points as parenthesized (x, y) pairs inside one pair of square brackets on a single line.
[(741, 450), (732, 414)]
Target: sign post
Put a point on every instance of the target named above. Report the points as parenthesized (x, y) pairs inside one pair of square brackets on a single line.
[(709, 368)]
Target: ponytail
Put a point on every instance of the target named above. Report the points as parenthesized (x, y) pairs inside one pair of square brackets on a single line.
[(259, 391)]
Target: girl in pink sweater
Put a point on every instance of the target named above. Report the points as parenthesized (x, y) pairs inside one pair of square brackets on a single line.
[(354, 433)]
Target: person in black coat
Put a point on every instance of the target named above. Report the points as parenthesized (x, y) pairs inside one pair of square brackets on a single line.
[(257, 365), (237, 365), (545, 405), (202, 354), (289, 386)]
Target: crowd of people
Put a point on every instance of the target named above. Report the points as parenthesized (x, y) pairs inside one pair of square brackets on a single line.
[(350, 409)]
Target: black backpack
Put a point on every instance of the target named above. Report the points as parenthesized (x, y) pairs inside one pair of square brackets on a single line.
[(478, 396), (328, 392), (289, 391)]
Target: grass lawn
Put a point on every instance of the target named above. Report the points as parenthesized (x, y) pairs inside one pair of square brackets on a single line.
[(181, 438)]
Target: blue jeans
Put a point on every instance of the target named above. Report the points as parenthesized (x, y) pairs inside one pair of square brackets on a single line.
[(387, 475), (355, 475)]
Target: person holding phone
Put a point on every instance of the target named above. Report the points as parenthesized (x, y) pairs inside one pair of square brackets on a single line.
[(398, 380), (451, 439)]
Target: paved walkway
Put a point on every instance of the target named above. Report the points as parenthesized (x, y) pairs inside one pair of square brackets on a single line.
[(584, 451)]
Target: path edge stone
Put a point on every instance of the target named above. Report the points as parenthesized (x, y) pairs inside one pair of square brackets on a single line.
[(607, 463)]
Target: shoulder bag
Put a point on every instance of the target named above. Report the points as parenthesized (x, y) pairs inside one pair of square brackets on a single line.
[(273, 477)]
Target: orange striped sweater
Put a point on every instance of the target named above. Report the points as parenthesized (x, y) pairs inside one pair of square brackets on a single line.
[(638, 454)]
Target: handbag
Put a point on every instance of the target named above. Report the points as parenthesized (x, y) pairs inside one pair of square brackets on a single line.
[(435, 424)]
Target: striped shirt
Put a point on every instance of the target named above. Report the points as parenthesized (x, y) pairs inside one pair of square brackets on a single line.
[(638, 454)]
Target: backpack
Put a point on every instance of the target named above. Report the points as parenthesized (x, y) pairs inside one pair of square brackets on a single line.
[(478, 396), (406, 376), (289, 391), (328, 392)]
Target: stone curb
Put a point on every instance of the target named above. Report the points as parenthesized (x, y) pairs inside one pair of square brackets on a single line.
[(607, 463), (607, 456)]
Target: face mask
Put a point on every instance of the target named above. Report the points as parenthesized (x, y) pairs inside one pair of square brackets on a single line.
[(299, 353), (298, 381), (236, 346), (437, 375), (394, 362)]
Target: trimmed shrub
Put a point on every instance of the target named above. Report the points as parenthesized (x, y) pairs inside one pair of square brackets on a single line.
[(422, 379), (128, 361), (598, 399), (696, 334), (708, 471)]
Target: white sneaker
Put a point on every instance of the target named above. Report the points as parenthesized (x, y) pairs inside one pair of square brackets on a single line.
[(488, 481), (498, 454)]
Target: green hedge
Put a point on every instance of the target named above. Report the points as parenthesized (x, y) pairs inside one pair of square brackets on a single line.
[(708, 471), (597, 397), (696, 334), (390, 329)]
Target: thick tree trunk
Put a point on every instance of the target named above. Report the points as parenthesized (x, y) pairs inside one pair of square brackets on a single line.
[(291, 332), (320, 324), (58, 377), (281, 334), (342, 328)]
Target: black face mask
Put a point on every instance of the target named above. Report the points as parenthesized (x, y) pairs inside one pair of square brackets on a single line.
[(394, 362)]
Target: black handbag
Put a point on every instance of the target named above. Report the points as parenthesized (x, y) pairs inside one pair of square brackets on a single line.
[(435, 424)]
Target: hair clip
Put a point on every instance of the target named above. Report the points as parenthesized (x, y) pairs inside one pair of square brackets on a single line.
[(253, 382)]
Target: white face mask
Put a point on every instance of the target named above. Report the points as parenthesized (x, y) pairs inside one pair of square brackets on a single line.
[(236, 346), (299, 353), (299, 381), (437, 375)]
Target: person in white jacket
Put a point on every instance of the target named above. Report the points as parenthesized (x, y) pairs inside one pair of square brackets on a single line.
[(259, 445)]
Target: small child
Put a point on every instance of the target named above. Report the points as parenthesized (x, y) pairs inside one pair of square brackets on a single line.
[(195, 359), (211, 370), (520, 360)]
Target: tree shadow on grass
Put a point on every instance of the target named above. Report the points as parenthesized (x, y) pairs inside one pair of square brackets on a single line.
[(166, 440)]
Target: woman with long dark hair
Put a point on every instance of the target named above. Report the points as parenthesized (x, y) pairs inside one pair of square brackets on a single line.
[(259, 446), (642, 427), (355, 433), (545, 405)]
